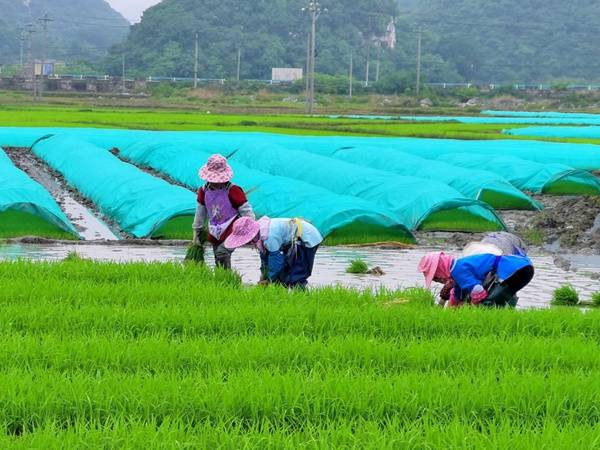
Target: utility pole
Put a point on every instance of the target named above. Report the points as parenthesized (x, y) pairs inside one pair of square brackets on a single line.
[(123, 73), (30, 62), (368, 73), (45, 20), (419, 49), (351, 74), (196, 60), (378, 62), (313, 47), (239, 64), (22, 40), (314, 7), (307, 76)]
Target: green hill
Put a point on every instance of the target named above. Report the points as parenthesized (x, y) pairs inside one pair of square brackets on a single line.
[(81, 29), (464, 40), (507, 40), (270, 33)]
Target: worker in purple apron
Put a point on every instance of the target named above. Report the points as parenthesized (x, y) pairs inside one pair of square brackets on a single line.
[(481, 279), (220, 204), (287, 248)]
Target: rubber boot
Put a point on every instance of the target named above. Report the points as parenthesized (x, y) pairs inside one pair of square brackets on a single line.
[(222, 256), (500, 296)]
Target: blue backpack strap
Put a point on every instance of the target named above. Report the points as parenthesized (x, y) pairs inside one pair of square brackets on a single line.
[(496, 263)]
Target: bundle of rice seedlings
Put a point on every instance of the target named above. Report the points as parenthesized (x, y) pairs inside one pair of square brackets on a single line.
[(195, 254), (565, 295), (357, 266)]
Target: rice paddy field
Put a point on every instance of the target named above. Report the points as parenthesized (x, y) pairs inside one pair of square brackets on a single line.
[(99, 355), (171, 355)]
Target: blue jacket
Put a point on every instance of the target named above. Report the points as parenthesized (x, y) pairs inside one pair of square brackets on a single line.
[(280, 238), (471, 271)]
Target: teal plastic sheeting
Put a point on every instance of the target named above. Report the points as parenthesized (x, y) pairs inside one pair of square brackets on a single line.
[(576, 156), (21, 193), (272, 196), (140, 203), (472, 183), (545, 114), (557, 132), (415, 202), (105, 138), (506, 120), (531, 176)]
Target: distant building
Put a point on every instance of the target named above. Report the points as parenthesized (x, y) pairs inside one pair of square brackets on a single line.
[(286, 74), (48, 67)]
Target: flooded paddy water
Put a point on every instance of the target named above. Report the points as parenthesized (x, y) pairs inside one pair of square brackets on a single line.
[(399, 266)]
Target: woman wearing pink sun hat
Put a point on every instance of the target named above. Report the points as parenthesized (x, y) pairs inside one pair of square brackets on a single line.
[(287, 247), (220, 204), (487, 279)]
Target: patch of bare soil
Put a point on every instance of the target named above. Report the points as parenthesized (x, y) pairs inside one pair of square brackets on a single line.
[(566, 223)]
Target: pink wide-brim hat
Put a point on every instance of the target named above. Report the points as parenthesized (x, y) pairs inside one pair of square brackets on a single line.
[(216, 170), (244, 230), (428, 266)]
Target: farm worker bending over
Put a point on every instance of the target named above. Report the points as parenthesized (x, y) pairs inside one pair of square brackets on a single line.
[(222, 203), (497, 243), (287, 248), (483, 279)]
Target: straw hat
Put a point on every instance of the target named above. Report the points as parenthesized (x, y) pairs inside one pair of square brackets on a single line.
[(244, 230), (216, 170)]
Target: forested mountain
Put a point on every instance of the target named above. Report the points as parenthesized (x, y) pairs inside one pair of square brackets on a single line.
[(506, 40), (270, 33), (463, 40), (80, 29)]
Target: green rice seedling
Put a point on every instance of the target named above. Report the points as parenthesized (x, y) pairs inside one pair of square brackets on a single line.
[(357, 266), (73, 256), (176, 228), (195, 254), (111, 355), (565, 295), (596, 299), (15, 224)]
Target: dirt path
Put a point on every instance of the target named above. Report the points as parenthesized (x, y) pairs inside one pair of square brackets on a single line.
[(88, 221)]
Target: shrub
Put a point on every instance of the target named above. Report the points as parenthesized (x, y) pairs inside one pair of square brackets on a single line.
[(565, 296), (596, 299)]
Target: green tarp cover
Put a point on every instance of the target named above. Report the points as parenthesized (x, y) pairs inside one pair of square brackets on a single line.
[(472, 183), (272, 196), (557, 132), (137, 201), (528, 175), (411, 199), (20, 193)]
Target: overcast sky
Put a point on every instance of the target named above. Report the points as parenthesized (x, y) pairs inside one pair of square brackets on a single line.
[(132, 9)]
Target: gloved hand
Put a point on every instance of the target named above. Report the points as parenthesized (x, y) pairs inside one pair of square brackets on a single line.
[(478, 294), (446, 290), (199, 238)]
